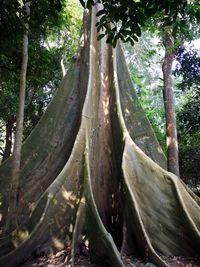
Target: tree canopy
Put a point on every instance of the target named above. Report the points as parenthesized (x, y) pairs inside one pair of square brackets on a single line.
[(124, 19)]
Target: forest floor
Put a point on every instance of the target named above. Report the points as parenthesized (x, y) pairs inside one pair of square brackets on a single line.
[(60, 260)]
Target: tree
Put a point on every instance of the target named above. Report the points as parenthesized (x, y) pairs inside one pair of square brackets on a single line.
[(170, 115), (43, 74), (171, 30), (14, 183), (16, 159), (124, 19), (10, 67), (21, 12), (91, 172), (39, 90)]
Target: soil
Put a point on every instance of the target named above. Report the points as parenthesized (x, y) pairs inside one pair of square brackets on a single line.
[(60, 260)]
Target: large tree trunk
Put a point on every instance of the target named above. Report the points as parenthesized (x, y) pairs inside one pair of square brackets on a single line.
[(16, 158), (91, 171), (170, 115)]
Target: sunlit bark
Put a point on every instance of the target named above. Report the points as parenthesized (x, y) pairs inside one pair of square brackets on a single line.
[(94, 175)]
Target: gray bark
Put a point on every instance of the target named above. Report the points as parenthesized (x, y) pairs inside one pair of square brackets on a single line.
[(91, 171)]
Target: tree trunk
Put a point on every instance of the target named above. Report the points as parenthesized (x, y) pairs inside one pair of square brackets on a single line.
[(91, 173), (16, 158), (170, 115), (8, 145)]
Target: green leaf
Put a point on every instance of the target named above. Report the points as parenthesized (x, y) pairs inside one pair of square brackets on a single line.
[(151, 11), (99, 28), (82, 3), (121, 36), (108, 29), (135, 38), (103, 19), (100, 12), (175, 29), (137, 29), (128, 24), (140, 18), (109, 39), (197, 15), (126, 32), (88, 5), (114, 42), (114, 29), (129, 39), (99, 37)]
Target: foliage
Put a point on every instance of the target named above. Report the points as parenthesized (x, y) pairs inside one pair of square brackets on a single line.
[(144, 62), (128, 17), (125, 20), (189, 113), (44, 14), (188, 67), (188, 124), (43, 78), (156, 118), (65, 36), (188, 70), (48, 20)]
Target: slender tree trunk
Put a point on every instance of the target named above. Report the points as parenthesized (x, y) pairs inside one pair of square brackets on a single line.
[(8, 146), (14, 184), (168, 95)]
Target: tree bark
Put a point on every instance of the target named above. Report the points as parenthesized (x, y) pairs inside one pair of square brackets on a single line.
[(169, 104), (97, 131), (16, 159), (8, 145)]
